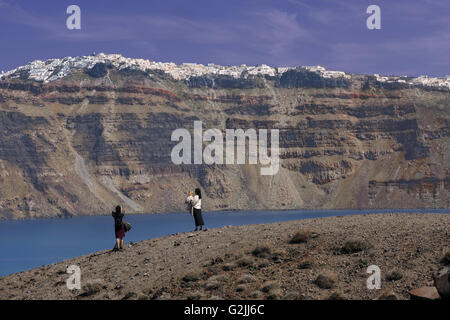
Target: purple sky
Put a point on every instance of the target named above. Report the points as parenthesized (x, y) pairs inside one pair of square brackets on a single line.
[(414, 38)]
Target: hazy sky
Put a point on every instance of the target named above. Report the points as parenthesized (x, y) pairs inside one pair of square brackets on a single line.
[(414, 38)]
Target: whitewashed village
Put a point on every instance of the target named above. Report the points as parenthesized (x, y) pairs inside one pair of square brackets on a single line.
[(53, 69)]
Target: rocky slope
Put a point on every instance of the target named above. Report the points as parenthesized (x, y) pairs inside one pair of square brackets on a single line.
[(78, 138), (328, 260)]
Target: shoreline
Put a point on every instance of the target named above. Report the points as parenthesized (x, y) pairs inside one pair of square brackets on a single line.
[(382, 210), (412, 243)]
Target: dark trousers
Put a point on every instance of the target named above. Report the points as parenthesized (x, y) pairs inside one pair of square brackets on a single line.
[(198, 217)]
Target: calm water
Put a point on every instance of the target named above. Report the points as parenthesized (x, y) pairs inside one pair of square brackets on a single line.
[(28, 244)]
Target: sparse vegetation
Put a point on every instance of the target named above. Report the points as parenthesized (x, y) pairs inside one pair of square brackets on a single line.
[(143, 297), (292, 295), (246, 278), (394, 276), (388, 295), (336, 296), (363, 262), (261, 252), (190, 277), (129, 295), (306, 264), (446, 259), (60, 283), (213, 285), (241, 287), (326, 280), (244, 262), (255, 294), (269, 286), (301, 236), (194, 295), (219, 278), (228, 266), (274, 294), (353, 246), (91, 288)]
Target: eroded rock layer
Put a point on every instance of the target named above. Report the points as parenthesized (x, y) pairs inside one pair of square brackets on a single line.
[(84, 143)]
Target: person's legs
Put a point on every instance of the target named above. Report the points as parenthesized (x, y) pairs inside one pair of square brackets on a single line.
[(117, 243), (121, 243)]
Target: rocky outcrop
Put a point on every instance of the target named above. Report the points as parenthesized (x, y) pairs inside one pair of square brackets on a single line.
[(442, 282), (424, 293), (302, 78), (96, 138)]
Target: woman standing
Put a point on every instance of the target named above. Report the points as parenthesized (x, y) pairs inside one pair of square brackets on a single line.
[(119, 228), (197, 209)]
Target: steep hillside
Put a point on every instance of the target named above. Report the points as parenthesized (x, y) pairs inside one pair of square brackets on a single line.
[(85, 140)]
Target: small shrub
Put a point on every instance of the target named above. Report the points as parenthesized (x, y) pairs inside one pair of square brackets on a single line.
[(446, 259), (353, 246), (394, 276), (336, 296), (388, 295), (326, 280), (255, 295), (274, 294), (363, 262), (269, 286), (163, 296), (91, 288), (293, 295), (246, 278), (261, 252), (213, 285), (194, 296), (215, 261), (190, 277), (143, 297), (301, 237), (60, 283), (306, 264), (244, 262), (241, 287), (129, 295), (228, 267)]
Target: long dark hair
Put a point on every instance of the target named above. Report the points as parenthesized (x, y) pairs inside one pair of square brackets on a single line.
[(119, 210), (198, 193)]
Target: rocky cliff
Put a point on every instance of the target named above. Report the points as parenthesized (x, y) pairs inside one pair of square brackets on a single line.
[(100, 136)]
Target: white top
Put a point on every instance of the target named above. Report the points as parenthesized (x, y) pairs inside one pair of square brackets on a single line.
[(196, 202)]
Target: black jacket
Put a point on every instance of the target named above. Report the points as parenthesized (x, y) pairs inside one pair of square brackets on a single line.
[(117, 219)]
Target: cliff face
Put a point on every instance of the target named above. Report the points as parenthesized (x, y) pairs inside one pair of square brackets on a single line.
[(86, 142)]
